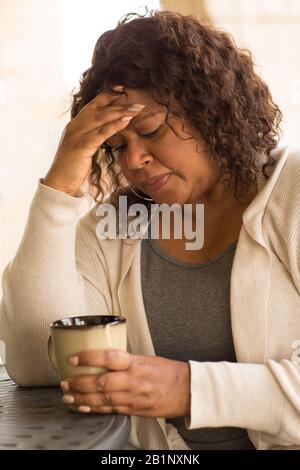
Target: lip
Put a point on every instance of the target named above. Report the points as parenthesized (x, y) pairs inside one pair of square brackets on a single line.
[(156, 182)]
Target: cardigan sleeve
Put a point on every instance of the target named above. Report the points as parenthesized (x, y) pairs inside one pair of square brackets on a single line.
[(258, 397), (53, 275)]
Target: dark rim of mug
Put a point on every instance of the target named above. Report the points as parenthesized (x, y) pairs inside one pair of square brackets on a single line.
[(90, 321)]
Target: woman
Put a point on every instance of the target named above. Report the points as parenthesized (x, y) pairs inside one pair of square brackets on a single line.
[(213, 347)]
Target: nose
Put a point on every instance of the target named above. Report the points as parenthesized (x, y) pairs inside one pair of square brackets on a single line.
[(137, 156)]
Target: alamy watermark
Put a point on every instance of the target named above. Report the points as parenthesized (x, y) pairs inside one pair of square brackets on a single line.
[(167, 221)]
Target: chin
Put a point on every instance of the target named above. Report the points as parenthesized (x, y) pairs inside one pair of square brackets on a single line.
[(170, 199)]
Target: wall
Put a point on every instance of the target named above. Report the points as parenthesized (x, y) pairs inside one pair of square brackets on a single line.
[(32, 98)]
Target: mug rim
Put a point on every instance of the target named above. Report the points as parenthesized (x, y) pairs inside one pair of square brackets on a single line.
[(114, 320)]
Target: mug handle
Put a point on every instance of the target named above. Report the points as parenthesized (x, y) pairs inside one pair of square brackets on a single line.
[(51, 353)]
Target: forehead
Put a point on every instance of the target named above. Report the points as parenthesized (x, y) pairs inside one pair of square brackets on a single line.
[(152, 109), (142, 117), (139, 96)]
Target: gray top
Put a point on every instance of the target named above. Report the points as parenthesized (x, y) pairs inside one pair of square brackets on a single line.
[(188, 311)]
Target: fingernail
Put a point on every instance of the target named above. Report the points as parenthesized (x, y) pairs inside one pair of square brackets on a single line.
[(74, 360), (126, 118), (136, 107), (118, 87), (65, 386), (84, 409), (68, 399)]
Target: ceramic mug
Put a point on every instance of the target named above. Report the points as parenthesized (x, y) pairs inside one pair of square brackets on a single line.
[(72, 335)]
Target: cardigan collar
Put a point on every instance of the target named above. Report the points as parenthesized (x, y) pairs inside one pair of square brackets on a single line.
[(253, 215)]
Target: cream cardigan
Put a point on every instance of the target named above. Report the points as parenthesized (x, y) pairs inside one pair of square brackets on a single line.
[(62, 269)]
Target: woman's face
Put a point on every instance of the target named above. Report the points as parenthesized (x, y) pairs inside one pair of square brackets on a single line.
[(190, 174)]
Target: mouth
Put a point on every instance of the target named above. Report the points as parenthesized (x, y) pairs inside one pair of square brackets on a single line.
[(157, 182)]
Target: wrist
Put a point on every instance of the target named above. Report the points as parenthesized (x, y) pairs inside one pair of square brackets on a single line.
[(186, 388), (54, 185), (181, 383)]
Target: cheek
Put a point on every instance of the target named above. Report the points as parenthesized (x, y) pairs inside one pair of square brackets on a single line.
[(123, 167)]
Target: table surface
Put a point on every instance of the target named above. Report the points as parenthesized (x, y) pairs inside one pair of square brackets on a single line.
[(36, 418)]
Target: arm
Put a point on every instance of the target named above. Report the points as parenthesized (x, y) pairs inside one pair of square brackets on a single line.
[(43, 283), (260, 397)]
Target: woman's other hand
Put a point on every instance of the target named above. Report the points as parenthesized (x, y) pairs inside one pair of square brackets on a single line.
[(148, 386)]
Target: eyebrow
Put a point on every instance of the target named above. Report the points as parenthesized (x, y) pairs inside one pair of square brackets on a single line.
[(139, 118)]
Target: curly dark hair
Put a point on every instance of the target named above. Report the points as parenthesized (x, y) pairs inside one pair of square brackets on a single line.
[(180, 60)]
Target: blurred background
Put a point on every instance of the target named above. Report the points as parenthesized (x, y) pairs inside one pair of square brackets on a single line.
[(45, 45)]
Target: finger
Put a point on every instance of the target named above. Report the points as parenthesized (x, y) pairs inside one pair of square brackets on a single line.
[(115, 382), (91, 141), (103, 410), (95, 138), (121, 410), (93, 104), (130, 410), (82, 383), (99, 399), (112, 359), (108, 382), (120, 403), (96, 118), (103, 98)]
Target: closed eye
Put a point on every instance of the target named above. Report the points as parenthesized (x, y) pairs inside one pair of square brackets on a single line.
[(151, 134), (146, 136)]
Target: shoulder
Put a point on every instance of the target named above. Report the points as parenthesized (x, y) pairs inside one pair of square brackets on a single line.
[(282, 213), (286, 190), (291, 156), (100, 228), (281, 220), (89, 221), (109, 209)]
